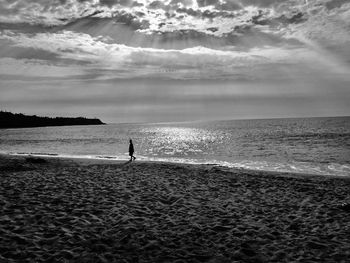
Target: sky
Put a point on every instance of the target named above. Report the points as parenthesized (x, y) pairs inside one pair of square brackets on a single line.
[(175, 60)]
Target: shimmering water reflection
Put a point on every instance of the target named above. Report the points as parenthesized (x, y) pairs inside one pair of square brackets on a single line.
[(178, 141)]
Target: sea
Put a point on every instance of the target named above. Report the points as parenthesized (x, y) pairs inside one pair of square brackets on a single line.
[(317, 146)]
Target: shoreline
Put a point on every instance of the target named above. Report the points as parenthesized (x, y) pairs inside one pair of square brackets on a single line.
[(114, 159), (60, 210)]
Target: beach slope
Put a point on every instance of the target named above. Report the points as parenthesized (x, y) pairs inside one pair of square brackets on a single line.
[(65, 210)]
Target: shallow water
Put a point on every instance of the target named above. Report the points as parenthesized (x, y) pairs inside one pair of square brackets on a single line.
[(305, 145)]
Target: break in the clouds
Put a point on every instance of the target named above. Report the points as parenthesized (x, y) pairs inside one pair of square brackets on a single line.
[(242, 42)]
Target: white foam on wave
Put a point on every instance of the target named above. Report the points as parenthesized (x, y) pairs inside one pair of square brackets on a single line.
[(94, 157), (334, 169), (295, 167)]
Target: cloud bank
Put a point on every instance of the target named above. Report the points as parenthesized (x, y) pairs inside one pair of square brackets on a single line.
[(284, 43)]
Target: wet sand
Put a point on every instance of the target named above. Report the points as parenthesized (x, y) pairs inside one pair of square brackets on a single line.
[(64, 210)]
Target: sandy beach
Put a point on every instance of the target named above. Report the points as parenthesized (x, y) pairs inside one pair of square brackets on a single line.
[(65, 210)]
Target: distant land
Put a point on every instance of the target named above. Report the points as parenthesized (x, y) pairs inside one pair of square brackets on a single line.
[(19, 120)]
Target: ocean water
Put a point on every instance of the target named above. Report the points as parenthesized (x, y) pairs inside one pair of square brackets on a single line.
[(302, 145)]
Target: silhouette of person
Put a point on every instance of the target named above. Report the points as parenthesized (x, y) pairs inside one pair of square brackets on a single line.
[(131, 151)]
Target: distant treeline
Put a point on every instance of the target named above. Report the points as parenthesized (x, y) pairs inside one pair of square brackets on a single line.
[(19, 120)]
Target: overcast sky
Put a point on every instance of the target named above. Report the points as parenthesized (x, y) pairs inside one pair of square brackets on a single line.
[(177, 60)]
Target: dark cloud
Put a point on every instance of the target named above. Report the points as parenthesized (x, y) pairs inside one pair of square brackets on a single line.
[(209, 14), (260, 19), (212, 29), (186, 38), (140, 14), (121, 22), (130, 20), (189, 11), (157, 5), (96, 12), (265, 19), (296, 18)]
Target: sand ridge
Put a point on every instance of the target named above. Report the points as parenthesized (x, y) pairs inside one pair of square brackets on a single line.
[(75, 211)]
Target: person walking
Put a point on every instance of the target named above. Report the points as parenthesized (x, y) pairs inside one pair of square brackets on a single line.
[(131, 151)]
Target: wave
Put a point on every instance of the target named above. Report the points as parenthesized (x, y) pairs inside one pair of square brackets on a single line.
[(333, 169)]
